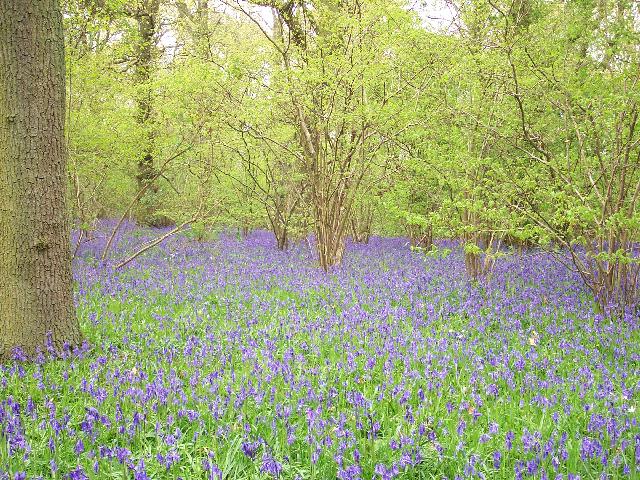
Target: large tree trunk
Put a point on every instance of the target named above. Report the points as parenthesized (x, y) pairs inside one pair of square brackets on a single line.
[(36, 298), (147, 18)]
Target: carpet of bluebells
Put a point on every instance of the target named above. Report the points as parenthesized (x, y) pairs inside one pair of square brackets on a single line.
[(228, 359)]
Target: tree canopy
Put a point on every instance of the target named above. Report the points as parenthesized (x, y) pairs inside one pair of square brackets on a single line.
[(510, 124)]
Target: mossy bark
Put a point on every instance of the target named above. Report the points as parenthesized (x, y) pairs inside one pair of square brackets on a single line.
[(147, 16)]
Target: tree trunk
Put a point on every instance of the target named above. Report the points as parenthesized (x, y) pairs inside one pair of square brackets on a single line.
[(330, 241), (146, 18), (426, 240), (361, 225), (36, 297), (473, 265), (279, 226), (282, 240), (421, 237)]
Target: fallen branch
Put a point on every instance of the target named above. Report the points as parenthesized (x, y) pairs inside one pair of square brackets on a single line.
[(155, 242), (81, 240), (135, 200)]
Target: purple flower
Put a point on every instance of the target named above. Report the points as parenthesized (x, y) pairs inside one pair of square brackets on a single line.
[(250, 449), (381, 471), (497, 459), (215, 473), (78, 474), (352, 472), (270, 466), (508, 441), (461, 426), (140, 472), (79, 448), (356, 455)]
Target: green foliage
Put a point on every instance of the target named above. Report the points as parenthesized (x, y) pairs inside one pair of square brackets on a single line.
[(517, 125)]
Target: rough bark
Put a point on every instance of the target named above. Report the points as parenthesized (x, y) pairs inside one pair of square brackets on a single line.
[(147, 19), (36, 298)]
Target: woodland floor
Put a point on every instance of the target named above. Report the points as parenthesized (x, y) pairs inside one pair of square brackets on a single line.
[(229, 359)]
